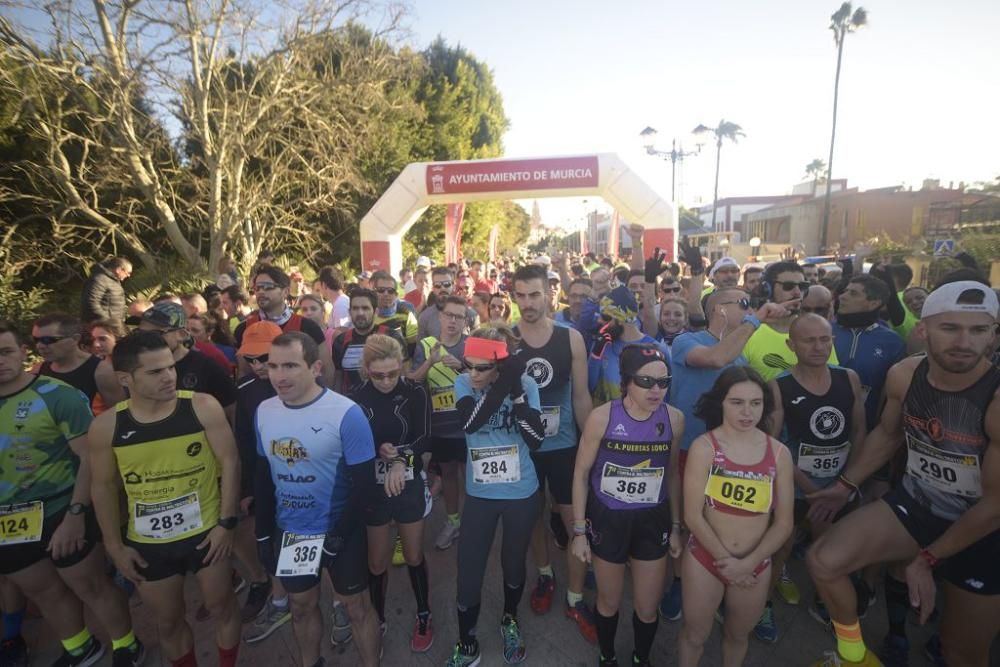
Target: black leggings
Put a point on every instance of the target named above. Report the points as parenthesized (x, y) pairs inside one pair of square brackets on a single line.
[(479, 526)]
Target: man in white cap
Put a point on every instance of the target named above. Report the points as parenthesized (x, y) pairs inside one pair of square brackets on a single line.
[(944, 514), (724, 273)]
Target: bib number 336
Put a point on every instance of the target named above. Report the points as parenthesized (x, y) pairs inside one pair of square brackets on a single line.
[(300, 554)]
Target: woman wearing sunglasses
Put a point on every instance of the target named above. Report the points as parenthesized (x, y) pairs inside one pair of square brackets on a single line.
[(399, 414), (500, 310), (738, 506), (499, 409), (623, 477)]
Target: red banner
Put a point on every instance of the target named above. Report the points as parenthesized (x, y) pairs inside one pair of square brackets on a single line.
[(453, 232), (512, 175), (494, 239), (613, 236)]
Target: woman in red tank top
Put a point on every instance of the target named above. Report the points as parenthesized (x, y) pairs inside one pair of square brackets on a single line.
[(738, 506)]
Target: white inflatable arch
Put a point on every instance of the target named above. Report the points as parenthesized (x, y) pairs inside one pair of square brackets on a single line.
[(421, 184)]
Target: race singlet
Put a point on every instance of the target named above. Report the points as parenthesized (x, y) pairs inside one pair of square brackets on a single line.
[(169, 519), (300, 555), (495, 465), (632, 485), (823, 462), (21, 522), (950, 472), (751, 495)]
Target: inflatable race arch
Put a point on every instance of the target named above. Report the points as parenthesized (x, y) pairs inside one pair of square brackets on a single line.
[(421, 184)]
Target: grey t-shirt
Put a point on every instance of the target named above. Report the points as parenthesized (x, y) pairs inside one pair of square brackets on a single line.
[(429, 322)]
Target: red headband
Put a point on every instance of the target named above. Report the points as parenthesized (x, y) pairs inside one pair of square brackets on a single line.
[(484, 348)]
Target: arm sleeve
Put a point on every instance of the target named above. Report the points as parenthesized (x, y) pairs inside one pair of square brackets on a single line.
[(263, 491), (359, 453), (475, 413), (528, 415), (246, 440)]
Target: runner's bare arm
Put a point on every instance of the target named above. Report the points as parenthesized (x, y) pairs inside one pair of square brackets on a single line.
[(104, 478), (329, 372), (220, 439), (582, 403), (107, 384), (723, 352), (777, 418), (696, 472), (673, 467), (859, 428), (784, 510), (982, 518), (590, 440)]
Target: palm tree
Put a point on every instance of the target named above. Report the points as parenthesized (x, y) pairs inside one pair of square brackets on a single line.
[(725, 130), (843, 22), (816, 170)]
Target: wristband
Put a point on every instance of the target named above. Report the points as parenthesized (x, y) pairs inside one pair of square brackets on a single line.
[(579, 530), (930, 558), (751, 319)]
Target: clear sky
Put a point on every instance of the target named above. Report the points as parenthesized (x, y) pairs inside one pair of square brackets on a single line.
[(920, 86)]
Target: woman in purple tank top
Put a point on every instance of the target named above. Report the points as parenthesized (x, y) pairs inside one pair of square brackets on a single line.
[(623, 480)]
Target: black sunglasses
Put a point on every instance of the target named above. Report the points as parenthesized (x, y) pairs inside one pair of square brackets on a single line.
[(674, 289), (259, 359), (479, 368), (789, 285), (743, 303), (48, 340), (647, 381), (385, 290), (442, 285)]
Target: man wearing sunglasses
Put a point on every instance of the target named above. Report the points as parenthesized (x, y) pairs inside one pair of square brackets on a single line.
[(348, 346), (442, 284), (783, 283), (392, 313), (57, 339)]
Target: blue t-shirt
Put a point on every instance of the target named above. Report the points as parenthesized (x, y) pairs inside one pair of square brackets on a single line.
[(498, 465), (870, 353), (309, 448), (604, 375), (689, 383)]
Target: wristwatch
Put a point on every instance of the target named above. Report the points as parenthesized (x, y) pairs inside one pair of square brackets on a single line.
[(76, 509), (228, 522), (752, 319)]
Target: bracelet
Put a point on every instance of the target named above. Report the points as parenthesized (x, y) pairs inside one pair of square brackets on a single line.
[(576, 534), (848, 483), (929, 557)]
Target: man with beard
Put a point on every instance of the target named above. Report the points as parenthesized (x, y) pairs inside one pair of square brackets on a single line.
[(767, 350), (392, 313), (442, 284), (944, 514), (348, 346)]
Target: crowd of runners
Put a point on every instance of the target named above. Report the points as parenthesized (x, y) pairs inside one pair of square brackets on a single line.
[(681, 427)]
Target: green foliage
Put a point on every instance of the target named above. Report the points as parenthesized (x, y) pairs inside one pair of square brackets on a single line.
[(21, 306)]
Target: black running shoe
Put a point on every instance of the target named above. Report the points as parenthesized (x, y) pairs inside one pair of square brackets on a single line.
[(129, 656), (90, 655)]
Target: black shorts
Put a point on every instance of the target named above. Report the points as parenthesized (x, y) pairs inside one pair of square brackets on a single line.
[(17, 557), (974, 569), (348, 568), (448, 450), (171, 558), (617, 535), (408, 507), (556, 467)]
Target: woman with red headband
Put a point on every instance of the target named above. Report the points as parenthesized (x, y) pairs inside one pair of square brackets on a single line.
[(501, 415), (624, 492)]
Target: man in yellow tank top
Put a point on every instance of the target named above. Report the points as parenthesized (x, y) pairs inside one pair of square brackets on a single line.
[(169, 449)]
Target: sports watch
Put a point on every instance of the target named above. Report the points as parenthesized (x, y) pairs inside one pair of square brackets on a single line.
[(752, 319), (76, 509), (228, 522)]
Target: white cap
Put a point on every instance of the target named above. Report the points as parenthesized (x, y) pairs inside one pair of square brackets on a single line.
[(424, 261), (553, 275), (964, 296), (543, 260), (723, 261)]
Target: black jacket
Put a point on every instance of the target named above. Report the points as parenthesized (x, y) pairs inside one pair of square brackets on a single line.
[(103, 297)]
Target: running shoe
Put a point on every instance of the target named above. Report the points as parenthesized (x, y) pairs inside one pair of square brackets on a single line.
[(636, 662), (933, 651), (14, 652), (787, 588), (671, 607), (92, 652), (818, 611), (129, 656), (895, 651), (464, 656), (269, 620), (558, 530), (541, 595), (447, 536), (256, 600), (607, 662), (833, 659), (585, 621), (766, 630), (423, 633), (514, 650), (342, 633), (397, 552)]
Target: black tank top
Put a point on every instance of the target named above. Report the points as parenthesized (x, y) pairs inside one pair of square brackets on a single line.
[(818, 428), (551, 367), (945, 441), (81, 377)]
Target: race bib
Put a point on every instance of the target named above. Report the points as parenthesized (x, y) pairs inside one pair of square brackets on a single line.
[(21, 522), (495, 465), (752, 495), (168, 519), (300, 555), (352, 357), (382, 468), (550, 418), (949, 472), (631, 485), (823, 462), (442, 399)]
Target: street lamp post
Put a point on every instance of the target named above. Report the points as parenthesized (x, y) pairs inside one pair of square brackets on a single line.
[(674, 155)]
